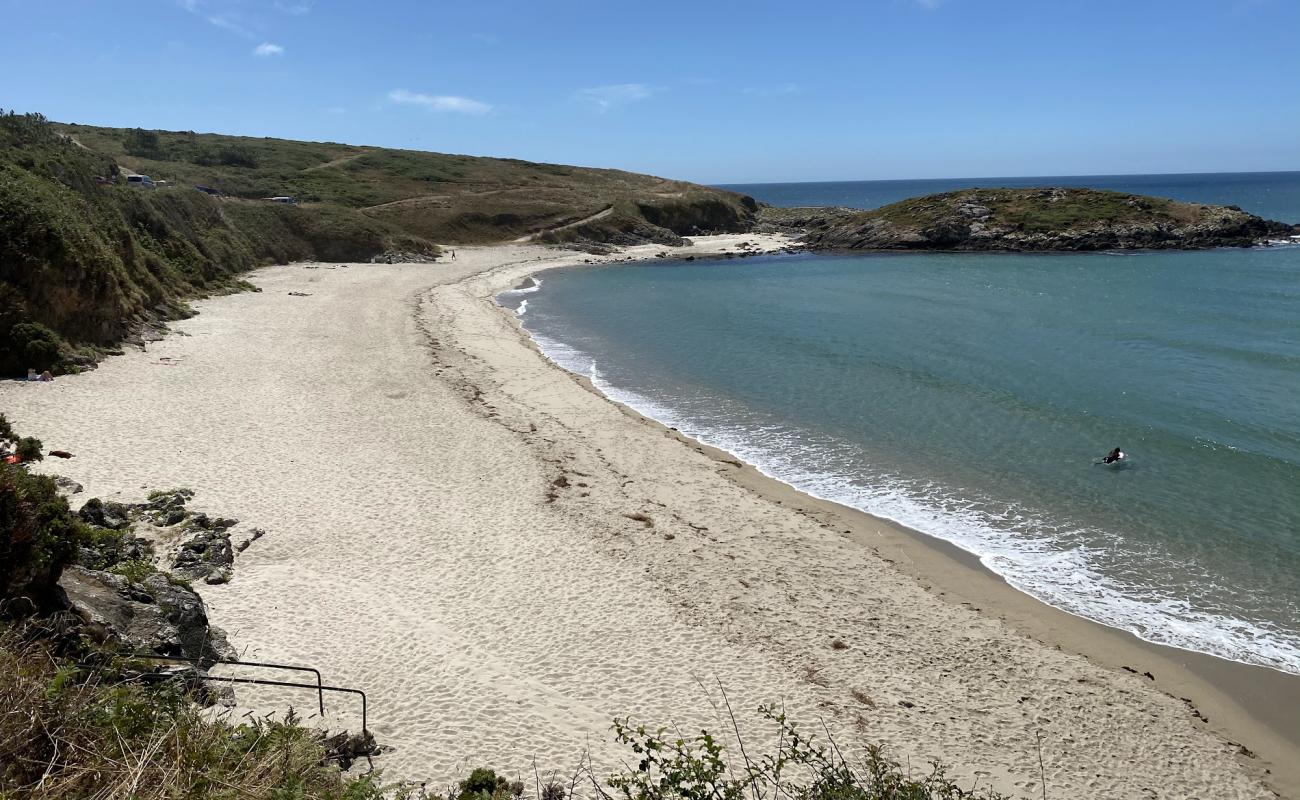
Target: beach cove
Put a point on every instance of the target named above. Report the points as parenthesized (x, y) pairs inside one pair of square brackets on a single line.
[(506, 561)]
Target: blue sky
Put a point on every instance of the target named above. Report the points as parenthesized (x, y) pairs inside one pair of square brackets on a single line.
[(707, 91)]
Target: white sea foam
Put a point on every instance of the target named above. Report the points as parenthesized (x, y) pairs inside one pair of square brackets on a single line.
[(506, 297), (1031, 554), (536, 287)]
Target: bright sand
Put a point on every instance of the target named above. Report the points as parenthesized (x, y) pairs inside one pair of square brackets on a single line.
[(402, 443)]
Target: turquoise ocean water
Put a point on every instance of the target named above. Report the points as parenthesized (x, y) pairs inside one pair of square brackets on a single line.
[(968, 395)]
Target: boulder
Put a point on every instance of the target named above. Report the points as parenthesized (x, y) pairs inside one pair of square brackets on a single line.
[(155, 616), (106, 514), (207, 555), (167, 508), (67, 485)]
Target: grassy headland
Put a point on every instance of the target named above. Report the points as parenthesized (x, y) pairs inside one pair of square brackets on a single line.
[(85, 259), (435, 196), (1041, 219)]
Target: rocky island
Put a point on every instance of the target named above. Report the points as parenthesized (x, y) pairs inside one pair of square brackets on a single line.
[(1047, 219)]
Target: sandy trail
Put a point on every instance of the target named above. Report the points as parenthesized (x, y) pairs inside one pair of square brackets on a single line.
[(598, 215), (401, 442)]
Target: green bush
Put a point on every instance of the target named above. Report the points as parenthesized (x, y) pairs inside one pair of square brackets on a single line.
[(144, 143), (228, 155), (482, 784), (35, 345), (134, 570), (39, 533), (29, 449)]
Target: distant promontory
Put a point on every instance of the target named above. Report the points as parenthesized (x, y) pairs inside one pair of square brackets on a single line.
[(1047, 219)]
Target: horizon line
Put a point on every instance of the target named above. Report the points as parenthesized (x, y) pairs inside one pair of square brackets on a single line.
[(1020, 177)]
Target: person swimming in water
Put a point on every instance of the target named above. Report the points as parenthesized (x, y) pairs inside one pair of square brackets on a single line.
[(1113, 456)]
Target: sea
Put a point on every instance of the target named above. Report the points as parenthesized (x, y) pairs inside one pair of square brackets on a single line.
[(970, 397)]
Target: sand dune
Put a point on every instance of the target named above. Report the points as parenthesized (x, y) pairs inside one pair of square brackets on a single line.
[(403, 444)]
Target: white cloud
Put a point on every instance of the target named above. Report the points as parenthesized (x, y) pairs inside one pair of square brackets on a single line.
[(232, 20), (225, 23), (606, 97), (768, 91), (267, 49), (439, 102)]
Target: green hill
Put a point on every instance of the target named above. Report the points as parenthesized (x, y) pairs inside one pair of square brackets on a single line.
[(442, 198), (1039, 220), (85, 259)]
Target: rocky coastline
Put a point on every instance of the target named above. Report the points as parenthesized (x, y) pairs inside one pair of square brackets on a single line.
[(1027, 220)]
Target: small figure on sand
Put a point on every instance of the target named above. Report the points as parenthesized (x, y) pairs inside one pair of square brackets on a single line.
[(31, 375), (1114, 456), (47, 376)]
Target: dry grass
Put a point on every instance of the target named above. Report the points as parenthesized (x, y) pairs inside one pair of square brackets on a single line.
[(66, 732)]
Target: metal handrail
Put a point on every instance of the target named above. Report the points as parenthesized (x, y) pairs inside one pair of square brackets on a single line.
[(264, 682), (318, 686), (320, 683)]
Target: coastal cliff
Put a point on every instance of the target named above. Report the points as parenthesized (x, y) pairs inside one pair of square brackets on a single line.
[(1048, 219), (91, 259)]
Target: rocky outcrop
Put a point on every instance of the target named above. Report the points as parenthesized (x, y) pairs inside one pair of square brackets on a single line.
[(110, 515), (207, 554), (1043, 220), (157, 615), (116, 592), (801, 220)]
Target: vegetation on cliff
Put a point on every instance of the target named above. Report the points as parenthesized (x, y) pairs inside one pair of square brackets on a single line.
[(433, 196), (82, 262), (84, 259), (1041, 219)]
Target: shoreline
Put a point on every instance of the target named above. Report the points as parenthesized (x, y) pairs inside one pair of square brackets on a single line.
[(1247, 701), (403, 442)]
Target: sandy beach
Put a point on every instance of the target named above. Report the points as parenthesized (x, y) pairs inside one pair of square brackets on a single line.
[(505, 561)]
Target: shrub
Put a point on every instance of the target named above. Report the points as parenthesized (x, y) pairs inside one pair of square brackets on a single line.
[(680, 768), (482, 784), (35, 345), (234, 155), (29, 449), (143, 143), (38, 537), (134, 570)]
